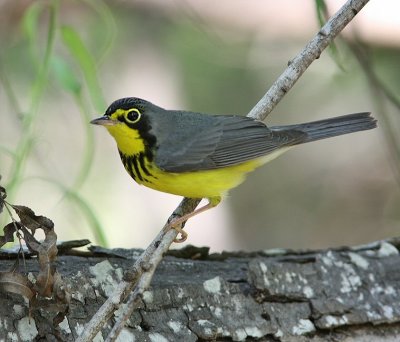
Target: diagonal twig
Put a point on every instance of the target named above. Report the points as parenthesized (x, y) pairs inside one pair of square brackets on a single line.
[(145, 266), (141, 274), (303, 60)]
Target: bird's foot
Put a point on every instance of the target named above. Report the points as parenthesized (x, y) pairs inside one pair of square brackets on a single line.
[(178, 224)]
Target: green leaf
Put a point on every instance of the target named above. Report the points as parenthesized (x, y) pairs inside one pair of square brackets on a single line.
[(322, 11), (87, 64), (109, 28), (30, 21), (66, 76)]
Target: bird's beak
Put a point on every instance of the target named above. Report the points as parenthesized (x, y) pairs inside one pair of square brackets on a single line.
[(104, 121)]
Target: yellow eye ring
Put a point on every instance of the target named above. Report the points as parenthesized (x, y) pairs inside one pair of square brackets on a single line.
[(133, 115)]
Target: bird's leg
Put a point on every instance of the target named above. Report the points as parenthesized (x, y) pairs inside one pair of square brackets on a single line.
[(178, 223)]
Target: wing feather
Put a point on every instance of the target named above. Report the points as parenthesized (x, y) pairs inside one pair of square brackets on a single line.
[(206, 142)]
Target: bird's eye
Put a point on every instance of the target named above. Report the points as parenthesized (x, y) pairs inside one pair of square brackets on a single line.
[(133, 115)]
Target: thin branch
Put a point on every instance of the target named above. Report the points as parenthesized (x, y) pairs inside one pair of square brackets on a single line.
[(303, 60), (141, 274), (145, 266), (144, 282)]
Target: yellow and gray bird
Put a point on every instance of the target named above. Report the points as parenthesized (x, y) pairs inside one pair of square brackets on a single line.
[(199, 155)]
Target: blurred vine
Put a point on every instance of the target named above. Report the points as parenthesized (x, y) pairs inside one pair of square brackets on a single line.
[(74, 70), (382, 94)]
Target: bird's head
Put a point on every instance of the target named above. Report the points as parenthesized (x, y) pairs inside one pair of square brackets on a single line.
[(127, 120)]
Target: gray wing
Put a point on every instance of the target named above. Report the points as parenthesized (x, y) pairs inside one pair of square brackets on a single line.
[(206, 142)]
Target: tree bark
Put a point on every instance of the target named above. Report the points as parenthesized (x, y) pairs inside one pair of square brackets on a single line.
[(346, 294)]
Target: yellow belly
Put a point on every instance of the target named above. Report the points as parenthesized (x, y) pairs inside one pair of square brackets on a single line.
[(203, 184)]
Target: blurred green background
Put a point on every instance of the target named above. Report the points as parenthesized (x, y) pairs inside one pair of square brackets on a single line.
[(63, 62)]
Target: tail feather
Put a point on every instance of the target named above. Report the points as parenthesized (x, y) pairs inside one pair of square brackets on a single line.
[(327, 128)]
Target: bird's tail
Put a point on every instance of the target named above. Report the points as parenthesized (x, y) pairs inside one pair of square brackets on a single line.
[(327, 128)]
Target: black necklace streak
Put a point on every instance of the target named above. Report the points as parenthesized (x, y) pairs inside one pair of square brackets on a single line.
[(135, 165)]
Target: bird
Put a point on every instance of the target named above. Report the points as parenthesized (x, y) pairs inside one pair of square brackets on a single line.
[(199, 155)]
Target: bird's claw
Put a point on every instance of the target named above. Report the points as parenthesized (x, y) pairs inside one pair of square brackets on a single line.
[(177, 225), (183, 235)]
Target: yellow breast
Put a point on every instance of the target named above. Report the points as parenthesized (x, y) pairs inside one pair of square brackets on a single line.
[(197, 184)]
